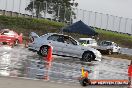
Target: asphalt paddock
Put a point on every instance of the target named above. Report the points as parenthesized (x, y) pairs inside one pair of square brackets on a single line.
[(19, 62), (8, 82)]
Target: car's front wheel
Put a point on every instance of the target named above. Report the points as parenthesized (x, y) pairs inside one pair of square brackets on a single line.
[(88, 56), (43, 51)]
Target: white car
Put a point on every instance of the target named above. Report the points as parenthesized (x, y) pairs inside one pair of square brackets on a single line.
[(62, 45), (88, 42), (109, 47)]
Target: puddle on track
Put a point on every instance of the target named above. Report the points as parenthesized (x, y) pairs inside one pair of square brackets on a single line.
[(21, 62)]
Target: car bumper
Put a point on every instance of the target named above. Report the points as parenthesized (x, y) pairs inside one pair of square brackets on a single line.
[(98, 58), (32, 47)]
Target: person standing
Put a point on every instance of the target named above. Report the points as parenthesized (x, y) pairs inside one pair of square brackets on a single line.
[(130, 75)]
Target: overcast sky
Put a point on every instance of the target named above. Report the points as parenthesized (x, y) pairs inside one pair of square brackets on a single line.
[(121, 8)]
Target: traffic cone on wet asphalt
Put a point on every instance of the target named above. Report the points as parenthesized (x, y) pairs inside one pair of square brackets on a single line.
[(49, 56), (84, 81)]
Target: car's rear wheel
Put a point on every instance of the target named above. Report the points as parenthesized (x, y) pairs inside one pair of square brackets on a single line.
[(88, 56), (43, 50), (109, 52), (4, 43)]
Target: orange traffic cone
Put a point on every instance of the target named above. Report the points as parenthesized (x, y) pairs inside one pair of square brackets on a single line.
[(49, 55)]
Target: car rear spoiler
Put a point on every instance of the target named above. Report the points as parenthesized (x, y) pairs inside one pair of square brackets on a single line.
[(33, 36)]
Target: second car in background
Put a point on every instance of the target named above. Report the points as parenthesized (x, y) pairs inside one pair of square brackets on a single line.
[(10, 36)]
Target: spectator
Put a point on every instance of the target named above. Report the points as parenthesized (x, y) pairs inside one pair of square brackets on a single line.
[(130, 73)]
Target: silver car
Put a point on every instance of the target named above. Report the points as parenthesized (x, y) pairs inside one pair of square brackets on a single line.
[(63, 45)]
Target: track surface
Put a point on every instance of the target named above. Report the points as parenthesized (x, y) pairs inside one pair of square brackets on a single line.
[(22, 83), (20, 62)]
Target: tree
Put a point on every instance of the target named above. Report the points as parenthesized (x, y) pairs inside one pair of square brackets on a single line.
[(61, 9)]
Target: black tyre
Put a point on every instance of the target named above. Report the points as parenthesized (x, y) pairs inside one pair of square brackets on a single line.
[(4, 43), (88, 56), (85, 82), (43, 51), (109, 52)]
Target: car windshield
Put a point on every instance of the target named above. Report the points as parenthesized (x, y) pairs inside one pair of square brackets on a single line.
[(82, 41), (93, 41), (106, 43)]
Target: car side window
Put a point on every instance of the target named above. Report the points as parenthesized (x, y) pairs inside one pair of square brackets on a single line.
[(5, 33), (88, 42), (53, 37), (60, 39), (57, 38), (69, 40)]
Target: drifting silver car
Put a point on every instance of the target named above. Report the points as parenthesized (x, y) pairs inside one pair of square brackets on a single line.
[(63, 45)]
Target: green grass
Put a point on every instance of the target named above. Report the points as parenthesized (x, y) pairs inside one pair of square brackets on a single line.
[(27, 25), (41, 26)]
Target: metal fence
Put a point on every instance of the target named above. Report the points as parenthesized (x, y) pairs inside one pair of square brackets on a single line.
[(95, 19)]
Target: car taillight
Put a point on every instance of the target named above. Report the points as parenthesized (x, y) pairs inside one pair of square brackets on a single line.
[(31, 39)]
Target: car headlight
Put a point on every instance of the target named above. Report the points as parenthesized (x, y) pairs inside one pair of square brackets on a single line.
[(98, 54)]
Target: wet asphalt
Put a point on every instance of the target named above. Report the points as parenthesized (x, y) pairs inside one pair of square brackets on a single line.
[(20, 62)]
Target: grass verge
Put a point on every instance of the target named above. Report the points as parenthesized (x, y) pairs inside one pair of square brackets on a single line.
[(41, 26)]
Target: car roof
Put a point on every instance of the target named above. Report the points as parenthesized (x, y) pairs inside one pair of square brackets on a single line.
[(2, 30), (56, 34), (108, 41), (86, 39)]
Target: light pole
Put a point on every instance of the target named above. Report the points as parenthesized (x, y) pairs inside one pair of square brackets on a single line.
[(12, 8), (6, 5), (83, 14), (113, 25), (119, 24), (64, 14), (77, 15), (107, 21), (58, 17), (71, 16), (33, 9), (101, 20), (12, 5), (125, 24), (45, 11), (19, 7), (89, 18), (95, 19), (72, 9), (131, 26), (39, 9)]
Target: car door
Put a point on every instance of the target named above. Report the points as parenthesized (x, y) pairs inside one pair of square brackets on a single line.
[(71, 48), (4, 36), (56, 41)]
